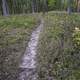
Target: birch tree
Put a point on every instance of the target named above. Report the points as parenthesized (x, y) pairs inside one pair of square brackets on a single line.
[(5, 8)]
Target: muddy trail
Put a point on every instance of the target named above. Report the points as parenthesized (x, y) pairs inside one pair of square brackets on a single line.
[(29, 63)]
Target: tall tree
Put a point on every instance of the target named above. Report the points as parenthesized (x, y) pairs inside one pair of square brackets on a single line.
[(33, 6), (5, 8), (69, 7), (78, 5), (45, 6)]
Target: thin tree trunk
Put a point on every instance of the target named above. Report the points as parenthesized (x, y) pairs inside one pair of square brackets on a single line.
[(5, 8), (45, 6), (69, 7), (78, 5), (33, 6)]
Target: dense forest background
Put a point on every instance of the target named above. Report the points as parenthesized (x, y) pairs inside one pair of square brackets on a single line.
[(8, 7)]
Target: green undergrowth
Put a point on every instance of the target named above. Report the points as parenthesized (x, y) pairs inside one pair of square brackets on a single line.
[(15, 32), (59, 48)]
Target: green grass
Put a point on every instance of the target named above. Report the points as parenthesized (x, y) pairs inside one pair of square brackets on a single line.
[(15, 32), (58, 49), (57, 55)]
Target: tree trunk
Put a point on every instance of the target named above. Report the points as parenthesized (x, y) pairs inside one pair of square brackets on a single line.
[(78, 5), (45, 6), (69, 7), (5, 8), (33, 6)]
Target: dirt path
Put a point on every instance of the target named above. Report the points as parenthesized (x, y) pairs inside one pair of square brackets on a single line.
[(28, 65)]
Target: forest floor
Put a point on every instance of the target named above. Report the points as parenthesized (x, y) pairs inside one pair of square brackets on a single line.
[(15, 33), (59, 47), (57, 58)]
